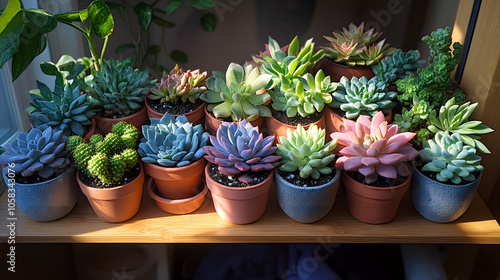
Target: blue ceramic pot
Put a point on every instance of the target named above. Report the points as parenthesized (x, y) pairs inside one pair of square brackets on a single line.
[(47, 201), (306, 204), (438, 202)]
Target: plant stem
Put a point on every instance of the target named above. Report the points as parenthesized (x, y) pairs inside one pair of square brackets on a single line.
[(93, 52), (104, 47)]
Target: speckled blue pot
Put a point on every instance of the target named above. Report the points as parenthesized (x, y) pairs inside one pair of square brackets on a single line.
[(47, 201), (438, 202), (306, 204)]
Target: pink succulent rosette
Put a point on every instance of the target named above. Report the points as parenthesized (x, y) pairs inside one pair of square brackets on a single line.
[(374, 148)]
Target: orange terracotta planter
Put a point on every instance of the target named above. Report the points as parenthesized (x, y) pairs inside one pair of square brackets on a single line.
[(212, 124), (195, 117), (337, 70), (177, 206), (177, 182), (373, 205), (239, 205), (116, 204), (277, 128), (137, 119)]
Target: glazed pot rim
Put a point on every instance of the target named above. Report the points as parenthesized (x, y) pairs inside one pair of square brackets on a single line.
[(445, 184), (44, 182), (163, 200), (280, 178), (345, 175), (222, 186)]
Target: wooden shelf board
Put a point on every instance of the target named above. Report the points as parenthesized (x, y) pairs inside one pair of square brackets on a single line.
[(151, 225)]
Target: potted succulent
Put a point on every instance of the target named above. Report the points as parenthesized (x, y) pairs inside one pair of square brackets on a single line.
[(178, 93), (448, 170), (110, 174), (352, 52), (237, 95), (397, 66), (172, 152), (374, 157), (306, 187), (119, 90), (358, 96), (38, 167), (239, 172)]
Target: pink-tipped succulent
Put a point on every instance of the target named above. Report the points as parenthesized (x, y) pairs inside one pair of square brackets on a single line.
[(240, 148), (374, 148), (180, 85)]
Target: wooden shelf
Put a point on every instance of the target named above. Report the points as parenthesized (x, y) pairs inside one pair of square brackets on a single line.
[(151, 225)]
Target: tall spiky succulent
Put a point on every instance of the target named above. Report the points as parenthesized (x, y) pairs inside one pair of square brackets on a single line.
[(179, 85), (455, 119), (62, 109), (305, 96), (362, 97), (108, 157), (40, 152), (306, 151), (240, 148), (235, 93), (172, 141), (119, 88), (398, 65), (374, 148), (450, 158)]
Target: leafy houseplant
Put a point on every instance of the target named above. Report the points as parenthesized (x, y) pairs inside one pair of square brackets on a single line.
[(39, 166), (374, 156), (397, 66), (109, 172), (172, 150), (178, 93), (305, 185), (239, 172)]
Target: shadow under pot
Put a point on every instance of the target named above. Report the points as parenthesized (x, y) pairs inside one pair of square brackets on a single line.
[(440, 202)]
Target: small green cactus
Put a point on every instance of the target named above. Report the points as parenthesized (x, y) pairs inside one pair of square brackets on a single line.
[(73, 142)]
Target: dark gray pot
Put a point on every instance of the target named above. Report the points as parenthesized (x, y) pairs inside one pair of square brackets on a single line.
[(438, 202), (306, 204), (47, 201)]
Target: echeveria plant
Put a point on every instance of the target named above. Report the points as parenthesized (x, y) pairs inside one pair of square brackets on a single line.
[(397, 66)]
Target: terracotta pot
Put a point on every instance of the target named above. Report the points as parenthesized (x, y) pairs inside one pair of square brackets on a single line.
[(177, 182), (137, 119), (177, 206), (277, 128), (195, 117), (337, 70), (239, 205), (212, 124), (91, 130), (373, 205), (118, 204)]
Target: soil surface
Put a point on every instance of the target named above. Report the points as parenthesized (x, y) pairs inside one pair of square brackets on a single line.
[(97, 183), (232, 181), (294, 178), (33, 179), (298, 119), (178, 108), (381, 181)]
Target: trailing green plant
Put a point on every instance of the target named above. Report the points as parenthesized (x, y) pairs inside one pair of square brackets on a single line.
[(23, 32), (172, 141), (62, 109), (357, 46), (360, 96), (397, 66), (107, 158), (235, 94), (118, 88), (450, 159), (415, 119), (239, 148), (305, 96), (454, 118), (306, 151), (37, 152), (179, 85)]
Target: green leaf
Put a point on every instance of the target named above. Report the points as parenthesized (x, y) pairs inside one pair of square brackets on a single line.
[(9, 36), (208, 22), (31, 45), (101, 19), (49, 68), (163, 23), (123, 48), (179, 56), (173, 6), (234, 74), (11, 11), (293, 48), (41, 20), (144, 14), (202, 4)]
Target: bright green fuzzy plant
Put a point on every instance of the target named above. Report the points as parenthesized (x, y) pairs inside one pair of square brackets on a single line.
[(397, 66), (307, 152), (454, 118), (415, 119), (362, 97), (106, 157), (450, 159), (235, 94)]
